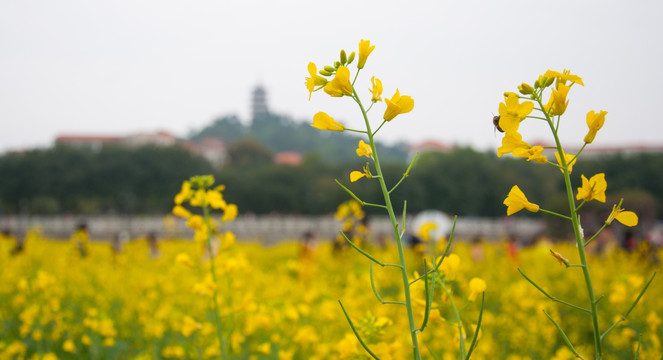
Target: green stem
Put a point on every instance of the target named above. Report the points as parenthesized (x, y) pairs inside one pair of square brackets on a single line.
[(580, 242), (596, 234), (550, 296), (397, 235), (566, 338), (354, 330), (554, 213), (460, 324), (217, 316)]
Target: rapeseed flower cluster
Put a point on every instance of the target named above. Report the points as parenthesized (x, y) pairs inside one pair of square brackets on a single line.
[(146, 308), (512, 113), (337, 81)]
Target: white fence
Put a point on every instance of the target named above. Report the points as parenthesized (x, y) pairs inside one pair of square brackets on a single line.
[(266, 229)]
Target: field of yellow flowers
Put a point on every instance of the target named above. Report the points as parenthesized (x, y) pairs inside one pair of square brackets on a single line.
[(282, 303)]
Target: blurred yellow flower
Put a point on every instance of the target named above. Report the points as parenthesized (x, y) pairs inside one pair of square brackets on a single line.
[(189, 326), (198, 198), (230, 213), (69, 346), (450, 265), (398, 105), (595, 123), (184, 260), (364, 149), (517, 201), (477, 286), (181, 211), (425, 229), (323, 121), (512, 112), (376, 91), (314, 79), (184, 194), (195, 222), (570, 161), (365, 49), (593, 189), (264, 348), (340, 84), (215, 199)]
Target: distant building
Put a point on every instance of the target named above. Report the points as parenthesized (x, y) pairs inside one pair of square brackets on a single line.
[(288, 158), (428, 146), (592, 151), (211, 148), (88, 142), (259, 103), (159, 138)]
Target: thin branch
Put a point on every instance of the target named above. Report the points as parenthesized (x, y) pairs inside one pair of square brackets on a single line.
[(628, 311), (361, 341), (476, 332), (566, 338), (377, 295), (406, 174), (552, 297)]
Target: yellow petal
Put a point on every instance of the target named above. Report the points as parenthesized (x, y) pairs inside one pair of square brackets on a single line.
[(356, 175), (628, 218)]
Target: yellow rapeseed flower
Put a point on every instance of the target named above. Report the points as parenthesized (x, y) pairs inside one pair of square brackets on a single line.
[(69, 346), (563, 77), (570, 161), (593, 189), (376, 91), (323, 121), (215, 199), (558, 102), (425, 229), (398, 105), (595, 123), (628, 218), (364, 149), (230, 213), (184, 194), (365, 49), (517, 201), (512, 112), (356, 175), (450, 265), (340, 84), (198, 198), (181, 211), (477, 286), (534, 153), (189, 326), (314, 80), (511, 142), (184, 260)]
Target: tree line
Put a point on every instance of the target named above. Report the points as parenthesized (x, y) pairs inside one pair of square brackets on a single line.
[(464, 181)]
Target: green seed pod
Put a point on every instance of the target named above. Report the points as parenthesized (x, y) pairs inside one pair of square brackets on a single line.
[(525, 89), (344, 58), (351, 57)]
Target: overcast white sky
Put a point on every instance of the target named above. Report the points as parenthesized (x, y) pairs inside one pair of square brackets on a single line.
[(126, 66)]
